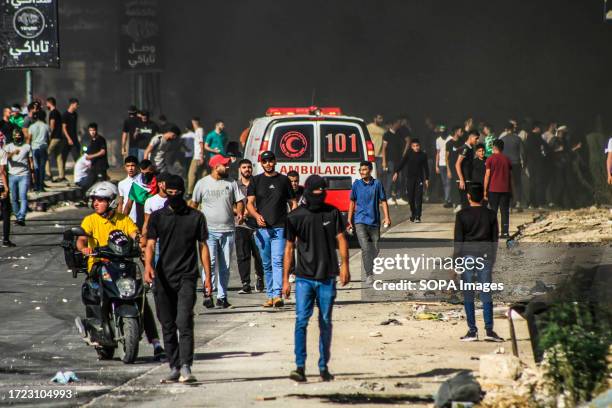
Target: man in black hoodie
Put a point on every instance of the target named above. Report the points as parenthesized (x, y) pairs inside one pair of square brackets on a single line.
[(417, 177)]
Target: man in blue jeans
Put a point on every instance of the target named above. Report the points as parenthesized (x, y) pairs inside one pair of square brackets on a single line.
[(268, 195), (366, 196), (316, 229), (476, 232), (219, 198), (21, 174)]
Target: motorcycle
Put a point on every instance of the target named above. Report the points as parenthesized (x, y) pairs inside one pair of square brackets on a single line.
[(113, 294)]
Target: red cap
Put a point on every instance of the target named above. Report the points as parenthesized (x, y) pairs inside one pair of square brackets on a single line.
[(218, 159)]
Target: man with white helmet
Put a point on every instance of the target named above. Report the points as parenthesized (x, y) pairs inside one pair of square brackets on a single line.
[(97, 226)]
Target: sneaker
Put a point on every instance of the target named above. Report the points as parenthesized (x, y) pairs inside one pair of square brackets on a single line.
[(186, 376), (20, 223), (222, 303), (291, 278), (411, 218), (298, 375), (391, 201), (269, 303), (259, 285), (158, 352), (504, 235), (401, 201), (470, 336), (8, 244), (457, 209), (447, 205), (492, 336), (326, 375), (417, 220), (246, 290), (278, 302), (173, 377), (208, 302), (369, 280)]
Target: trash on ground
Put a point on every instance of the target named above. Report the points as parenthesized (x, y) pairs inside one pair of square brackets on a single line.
[(428, 316), (372, 386), (394, 322), (65, 377)]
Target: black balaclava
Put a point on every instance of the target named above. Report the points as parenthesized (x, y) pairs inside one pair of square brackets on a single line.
[(176, 202), (314, 202)]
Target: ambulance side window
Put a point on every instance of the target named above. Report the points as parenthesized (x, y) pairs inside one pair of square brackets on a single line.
[(293, 142), (341, 143)]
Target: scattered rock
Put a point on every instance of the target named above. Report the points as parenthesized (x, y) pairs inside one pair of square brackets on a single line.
[(375, 334), (372, 386), (462, 387), (499, 367), (394, 322), (409, 385)]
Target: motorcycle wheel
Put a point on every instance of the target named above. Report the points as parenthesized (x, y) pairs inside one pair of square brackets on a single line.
[(131, 338), (105, 353)]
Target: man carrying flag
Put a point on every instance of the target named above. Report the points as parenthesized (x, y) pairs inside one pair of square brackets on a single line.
[(141, 189)]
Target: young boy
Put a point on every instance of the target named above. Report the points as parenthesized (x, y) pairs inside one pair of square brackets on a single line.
[(478, 167)]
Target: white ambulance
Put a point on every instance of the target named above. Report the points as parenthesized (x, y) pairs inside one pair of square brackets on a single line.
[(313, 141)]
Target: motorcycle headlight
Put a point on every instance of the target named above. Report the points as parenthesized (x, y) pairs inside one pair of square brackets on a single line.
[(126, 287)]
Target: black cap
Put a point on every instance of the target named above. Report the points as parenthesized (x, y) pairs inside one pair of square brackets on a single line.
[(174, 182), (315, 182), (132, 109), (267, 155), (163, 177)]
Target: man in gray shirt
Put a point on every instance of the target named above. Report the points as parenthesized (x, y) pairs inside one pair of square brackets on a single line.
[(217, 196), (162, 146), (513, 148)]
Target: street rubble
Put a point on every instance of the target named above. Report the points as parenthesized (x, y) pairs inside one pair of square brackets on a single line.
[(584, 225)]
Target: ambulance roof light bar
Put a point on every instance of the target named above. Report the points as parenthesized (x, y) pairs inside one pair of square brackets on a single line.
[(311, 110)]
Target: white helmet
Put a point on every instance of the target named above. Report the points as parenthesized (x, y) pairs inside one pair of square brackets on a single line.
[(105, 189)]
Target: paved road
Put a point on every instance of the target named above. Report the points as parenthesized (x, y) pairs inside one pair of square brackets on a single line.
[(39, 301)]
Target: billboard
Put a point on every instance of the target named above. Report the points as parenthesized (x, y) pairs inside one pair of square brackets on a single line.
[(29, 34), (140, 36)]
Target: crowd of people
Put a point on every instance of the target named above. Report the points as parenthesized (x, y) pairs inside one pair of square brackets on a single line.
[(222, 208)]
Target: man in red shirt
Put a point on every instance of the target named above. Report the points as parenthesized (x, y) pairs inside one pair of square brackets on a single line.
[(498, 184)]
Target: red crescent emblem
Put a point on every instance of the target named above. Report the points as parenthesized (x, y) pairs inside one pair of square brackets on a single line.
[(293, 144)]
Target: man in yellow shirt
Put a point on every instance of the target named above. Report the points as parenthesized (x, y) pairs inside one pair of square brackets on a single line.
[(376, 131), (98, 226)]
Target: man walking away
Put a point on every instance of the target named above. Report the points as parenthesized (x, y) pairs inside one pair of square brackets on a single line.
[(498, 185), (70, 120), (21, 174), (465, 165), (178, 228), (514, 150), (245, 236), (216, 140), (196, 167), (218, 197), (476, 237), (367, 194), (268, 195), (392, 150), (39, 134), (316, 229), (417, 177), (377, 131), (162, 146), (441, 169)]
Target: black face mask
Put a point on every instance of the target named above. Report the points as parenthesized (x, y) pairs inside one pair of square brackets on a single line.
[(314, 202), (177, 202)]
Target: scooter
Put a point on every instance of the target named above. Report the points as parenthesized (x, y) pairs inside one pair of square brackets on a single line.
[(113, 294)]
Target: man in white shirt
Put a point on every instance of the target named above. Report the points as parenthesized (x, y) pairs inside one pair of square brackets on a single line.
[(196, 166), (130, 164), (440, 160), (21, 174), (82, 172)]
